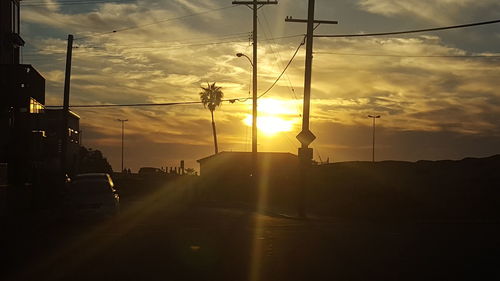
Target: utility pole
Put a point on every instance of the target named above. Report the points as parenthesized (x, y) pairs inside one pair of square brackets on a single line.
[(373, 142), (306, 137), (255, 6), (65, 112), (123, 135)]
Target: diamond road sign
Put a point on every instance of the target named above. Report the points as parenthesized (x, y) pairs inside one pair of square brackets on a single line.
[(306, 137)]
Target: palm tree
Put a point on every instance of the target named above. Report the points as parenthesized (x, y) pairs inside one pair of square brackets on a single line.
[(211, 97)]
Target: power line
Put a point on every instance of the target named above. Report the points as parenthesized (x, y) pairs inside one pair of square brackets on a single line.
[(109, 53), (283, 72), (242, 40), (144, 104), (69, 3), (409, 56), (186, 45), (156, 22), (189, 40), (408, 31), (196, 42), (277, 54), (283, 37), (242, 99)]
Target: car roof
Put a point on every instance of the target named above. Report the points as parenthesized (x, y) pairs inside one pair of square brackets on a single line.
[(92, 175)]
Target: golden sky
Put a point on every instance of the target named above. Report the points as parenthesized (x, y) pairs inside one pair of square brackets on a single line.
[(437, 92)]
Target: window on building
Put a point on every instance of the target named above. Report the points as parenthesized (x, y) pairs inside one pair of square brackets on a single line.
[(35, 106), (73, 135)]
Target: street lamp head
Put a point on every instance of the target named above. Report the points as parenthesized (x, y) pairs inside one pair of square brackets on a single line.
[(243, 55), (374, 116)]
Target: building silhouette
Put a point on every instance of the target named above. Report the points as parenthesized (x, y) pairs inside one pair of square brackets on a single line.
[(23, 97), (30, 134), (227, 176), (52, 122)]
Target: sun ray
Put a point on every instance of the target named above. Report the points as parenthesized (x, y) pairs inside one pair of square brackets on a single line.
[(275, 116)]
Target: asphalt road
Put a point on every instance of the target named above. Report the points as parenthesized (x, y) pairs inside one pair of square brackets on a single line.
[(162, 237)]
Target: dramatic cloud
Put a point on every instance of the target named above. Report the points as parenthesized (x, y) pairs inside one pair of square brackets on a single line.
[(427, 89), (435, 11)]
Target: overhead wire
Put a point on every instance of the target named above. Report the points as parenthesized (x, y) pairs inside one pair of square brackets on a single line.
[(70, 3), (143, 104), (277, 54), (233, 100), (408, 56), (155, 22), (202, 43), (189, 40), (181, 45), (408, 31), (177, 46), (286, 67), (163, 48), (288, 64)]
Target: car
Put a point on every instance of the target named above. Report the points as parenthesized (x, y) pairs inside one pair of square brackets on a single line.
[(150, 171), (94, 176), (93, 194)]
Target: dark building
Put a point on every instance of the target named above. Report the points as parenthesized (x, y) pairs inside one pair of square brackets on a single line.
[(22, 91), (227, 176), (239, 164), (52, 123), (10, 23)]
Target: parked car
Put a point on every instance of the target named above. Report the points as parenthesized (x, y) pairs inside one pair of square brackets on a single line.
[(93, 194), (94, 176), (150, 171)]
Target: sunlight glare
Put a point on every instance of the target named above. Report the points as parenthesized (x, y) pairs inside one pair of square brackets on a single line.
[(270, 125), (274, 116)]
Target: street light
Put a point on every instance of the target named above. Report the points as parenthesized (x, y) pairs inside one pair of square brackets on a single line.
[(123, 127), (243, 55), (373, 150), (254, 109)]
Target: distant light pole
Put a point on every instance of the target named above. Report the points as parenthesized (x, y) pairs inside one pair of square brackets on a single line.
[(254, 110), (373, 149), (123, 130), (254, 103)]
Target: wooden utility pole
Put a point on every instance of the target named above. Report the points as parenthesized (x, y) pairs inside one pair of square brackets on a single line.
[(123, 136), (373, 135), (65, 112), (306, 137), (255, 6)]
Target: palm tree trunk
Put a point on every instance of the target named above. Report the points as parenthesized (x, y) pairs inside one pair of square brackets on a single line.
[(215, 133)]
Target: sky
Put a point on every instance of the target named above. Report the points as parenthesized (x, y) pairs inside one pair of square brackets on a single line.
[(437, 93)]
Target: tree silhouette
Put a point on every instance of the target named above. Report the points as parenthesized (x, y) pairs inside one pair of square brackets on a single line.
[(93, 161), (211, 97)]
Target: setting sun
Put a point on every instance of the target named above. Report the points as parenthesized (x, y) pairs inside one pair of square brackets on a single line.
[(274, 116), (271, 125)]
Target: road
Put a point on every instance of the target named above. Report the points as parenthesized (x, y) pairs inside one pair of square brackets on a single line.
[(161, 237)]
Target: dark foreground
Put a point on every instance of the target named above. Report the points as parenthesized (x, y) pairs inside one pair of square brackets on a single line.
[(165, 237)]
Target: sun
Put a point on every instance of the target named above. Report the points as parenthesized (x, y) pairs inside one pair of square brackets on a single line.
[(271, 125), (274, 116)]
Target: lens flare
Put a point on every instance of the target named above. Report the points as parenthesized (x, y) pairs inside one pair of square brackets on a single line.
[(274, 117), (271, 125)]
